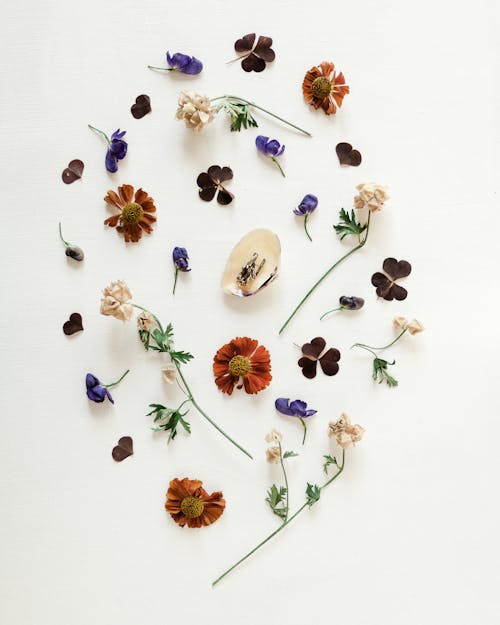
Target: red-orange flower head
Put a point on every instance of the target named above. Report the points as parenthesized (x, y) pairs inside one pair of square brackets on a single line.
[(190, 504), (324, 88), (135, 212), (242, 363)]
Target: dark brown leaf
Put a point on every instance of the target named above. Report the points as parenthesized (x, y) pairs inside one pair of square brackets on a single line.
[(224, 197), (245, 44), (73, 171), (252, 63), (207, 193), (124, 449), (263, 49), (348, 156), (396, 269), (314, 348), (308, 367), (73, 325), (329, 361), (141, 107)]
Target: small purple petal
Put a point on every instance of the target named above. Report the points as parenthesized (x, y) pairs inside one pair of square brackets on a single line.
[(309, 413), (282, 405), (91, 381), (261, 143), (111, 162), (181, 258), (298, 407), (195, 66)]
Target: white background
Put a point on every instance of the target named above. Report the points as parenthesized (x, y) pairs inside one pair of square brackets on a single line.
[(409, 533)]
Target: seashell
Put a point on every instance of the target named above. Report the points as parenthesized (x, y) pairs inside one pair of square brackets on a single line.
[(253, 263)]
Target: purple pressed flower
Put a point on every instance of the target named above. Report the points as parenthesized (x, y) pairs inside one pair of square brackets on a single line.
[(307, 206), (351, 302), (181, 262), (297, 408), (184, 64), (117, 150), (95, 390), (271, 148)]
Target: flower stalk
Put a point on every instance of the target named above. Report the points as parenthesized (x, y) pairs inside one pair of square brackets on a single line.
[(117, 381)]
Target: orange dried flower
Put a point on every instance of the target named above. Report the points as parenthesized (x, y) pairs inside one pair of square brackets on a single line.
[(324, 88), (135, 212), (190, 504), (242, 362)]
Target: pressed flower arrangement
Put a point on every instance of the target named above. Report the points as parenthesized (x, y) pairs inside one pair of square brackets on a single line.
[(243, 363)]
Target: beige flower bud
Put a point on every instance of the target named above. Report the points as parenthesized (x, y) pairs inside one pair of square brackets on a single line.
[(115, 302), (344, 432), (145, 321), (371, 196), (414, 326), (400, 323), (196, 110), (273, 454), (274, 436), (168, 373)]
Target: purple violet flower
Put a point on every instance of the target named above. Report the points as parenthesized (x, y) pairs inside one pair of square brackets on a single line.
[(271, 148), (181, 262), (347, 302), (305, 208), (184, 64), (117, 150), (96, 391), (297, 408)]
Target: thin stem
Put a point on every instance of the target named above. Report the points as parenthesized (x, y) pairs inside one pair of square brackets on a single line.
[(275, 160), (330, 311), (101, 133), (175, 280), (235, 97), (379, 349), (238, 58), (204, 414), (117, 381), (286, 480), (281, 527), (305, 429), (305, 226), (163, 69), (60, 234), (326, 274)]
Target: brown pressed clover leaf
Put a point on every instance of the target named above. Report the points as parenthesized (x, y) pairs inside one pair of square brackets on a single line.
[(386, 282), (255, 57), (312, 353), (210, 182)]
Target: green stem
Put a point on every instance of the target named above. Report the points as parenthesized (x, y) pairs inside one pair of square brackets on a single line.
[(379, 349), (117, 381), (275, 160), (101, 133), (281, 527), (330, 311), (234, 97), (175, 280), (305, 429), (286, 481), (60, 234), (163, 69), (305, 226), (326, 274), (204, 414)]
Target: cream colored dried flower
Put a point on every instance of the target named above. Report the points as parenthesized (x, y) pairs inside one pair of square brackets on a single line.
[(371, 196), (273, 454), (400, 323), (168, 373), (145, 321), (414, 326), (344, 432), (274, 436), (116, 301), (196, 110)]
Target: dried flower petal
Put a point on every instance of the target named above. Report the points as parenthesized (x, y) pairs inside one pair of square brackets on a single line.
[(344, 432)]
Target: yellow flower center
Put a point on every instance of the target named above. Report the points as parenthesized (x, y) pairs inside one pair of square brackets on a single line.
[(132, 213), (321, 88), (192, 507), (240, 366)]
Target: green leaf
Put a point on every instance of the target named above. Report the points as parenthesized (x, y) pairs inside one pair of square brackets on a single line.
[(329, 460), (313, 493), (348, 224), (181, 357), (289, 454), (240, 116), (167, 419), (276, 498), (381, 374), (144, 336)]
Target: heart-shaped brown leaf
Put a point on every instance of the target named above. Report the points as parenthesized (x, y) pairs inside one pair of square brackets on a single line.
[(396, 269), (73, 171), (308, 367), (314, 348), (73, 325), (141, 107), (124, 449), (245, 44), (329, 361), (348, 156)]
